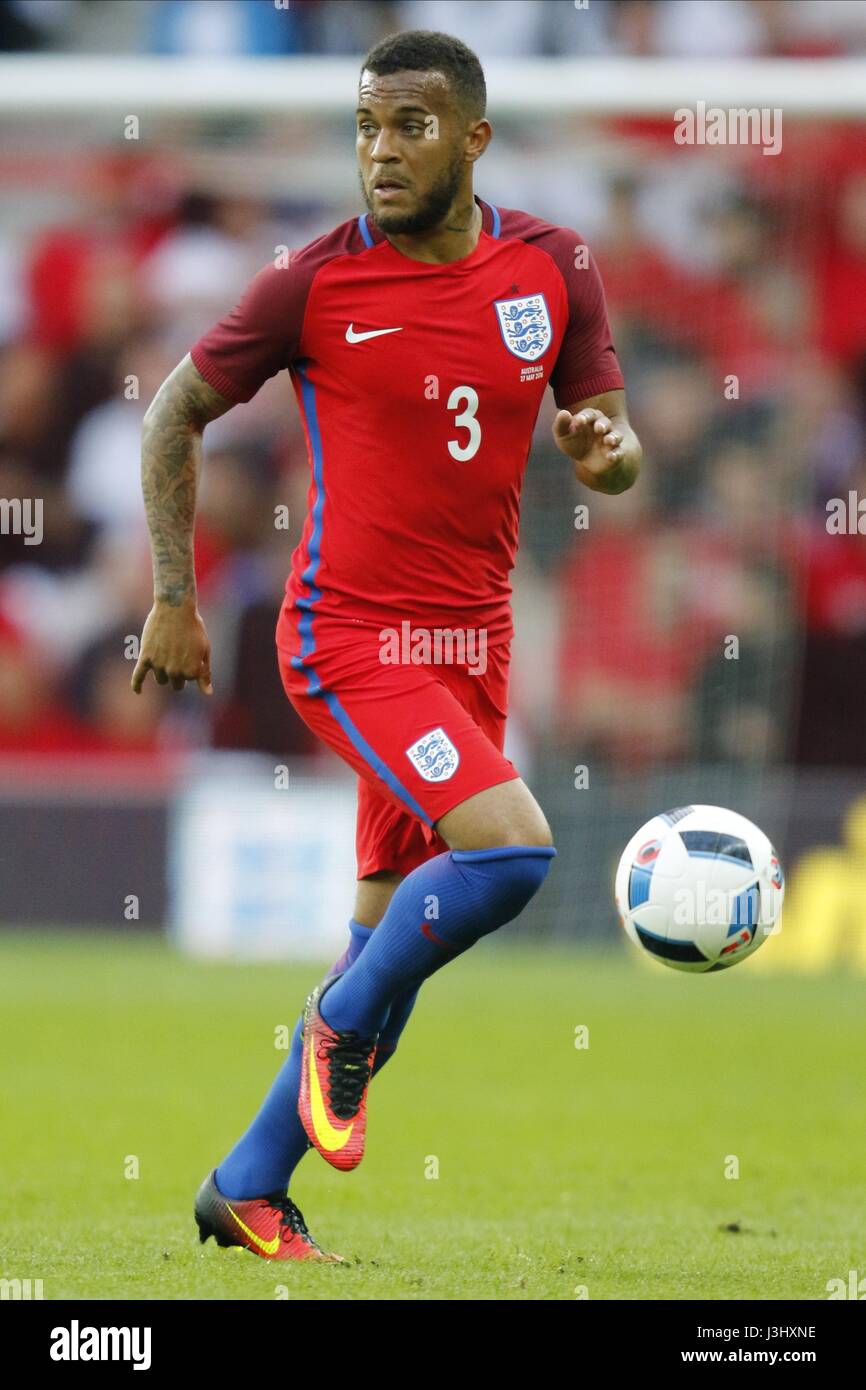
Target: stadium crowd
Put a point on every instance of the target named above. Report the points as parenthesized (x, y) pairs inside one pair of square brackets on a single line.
[(736, 285), (551, 28)]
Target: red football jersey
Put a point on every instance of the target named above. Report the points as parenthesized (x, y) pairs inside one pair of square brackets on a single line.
[(419, 387)]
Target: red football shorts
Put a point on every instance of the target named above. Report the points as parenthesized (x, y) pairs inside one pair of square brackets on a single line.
[(422, 738)]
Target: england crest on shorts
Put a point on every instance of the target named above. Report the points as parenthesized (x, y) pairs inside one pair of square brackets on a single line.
[(525, 325), (434, 756)]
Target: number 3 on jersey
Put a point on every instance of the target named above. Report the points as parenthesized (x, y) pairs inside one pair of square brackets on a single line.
[(466, 396)]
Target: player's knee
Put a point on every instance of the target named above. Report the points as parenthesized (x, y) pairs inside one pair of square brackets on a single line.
[(498, 818), (534, 833), (526, 825)]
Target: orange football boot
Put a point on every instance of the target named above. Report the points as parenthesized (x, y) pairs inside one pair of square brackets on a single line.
[(335, 1074), (271, 1227)]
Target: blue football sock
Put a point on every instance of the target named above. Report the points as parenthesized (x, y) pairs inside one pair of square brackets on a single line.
[(439, 910), (398, 1017), (264, 1158)]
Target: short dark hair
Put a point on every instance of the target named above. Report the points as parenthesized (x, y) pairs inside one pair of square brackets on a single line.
[(423, 50)]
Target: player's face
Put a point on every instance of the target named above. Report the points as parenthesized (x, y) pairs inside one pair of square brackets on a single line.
[(411, 143)]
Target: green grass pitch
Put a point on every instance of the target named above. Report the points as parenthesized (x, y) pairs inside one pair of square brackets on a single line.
[(560, 1169)]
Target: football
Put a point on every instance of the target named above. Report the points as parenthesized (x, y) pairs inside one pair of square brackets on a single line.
[(699, 888)]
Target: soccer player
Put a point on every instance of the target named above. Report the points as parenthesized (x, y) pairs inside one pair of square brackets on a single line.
[(420, 338)]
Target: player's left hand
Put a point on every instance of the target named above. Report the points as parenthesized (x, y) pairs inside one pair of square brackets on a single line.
[(589, 438)]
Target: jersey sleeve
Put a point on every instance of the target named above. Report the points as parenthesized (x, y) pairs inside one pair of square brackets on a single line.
[(259, 337), (587, 364)]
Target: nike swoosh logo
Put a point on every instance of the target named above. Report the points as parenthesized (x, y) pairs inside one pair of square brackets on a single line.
[(353, 337), (270, 1247), (330, 1138)]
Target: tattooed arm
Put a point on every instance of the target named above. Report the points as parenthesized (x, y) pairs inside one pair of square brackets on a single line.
[(174, 643)]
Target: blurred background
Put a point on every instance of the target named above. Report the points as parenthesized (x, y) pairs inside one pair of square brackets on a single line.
[(736, 283)]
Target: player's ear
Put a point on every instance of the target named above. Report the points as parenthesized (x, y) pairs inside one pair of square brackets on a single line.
[(478, 137)]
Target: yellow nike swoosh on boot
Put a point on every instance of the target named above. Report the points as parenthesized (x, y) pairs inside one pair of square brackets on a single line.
[(328, 1136), (269, 1247)]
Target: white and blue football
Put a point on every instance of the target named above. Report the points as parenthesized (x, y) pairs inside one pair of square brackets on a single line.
[(699, 888)]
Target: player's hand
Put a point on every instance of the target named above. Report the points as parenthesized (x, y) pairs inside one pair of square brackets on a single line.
[(588, 438), (175, 647)]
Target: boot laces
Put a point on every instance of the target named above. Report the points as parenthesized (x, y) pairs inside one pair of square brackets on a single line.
[(348, 1058), (292, 1219)]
